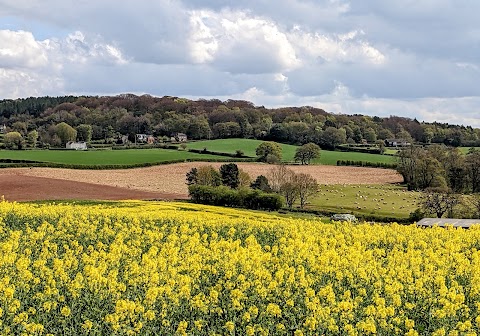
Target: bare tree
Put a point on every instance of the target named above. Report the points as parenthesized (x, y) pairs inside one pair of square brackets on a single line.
[(307, 186), (277, 177), (292, 186), (439, 203)]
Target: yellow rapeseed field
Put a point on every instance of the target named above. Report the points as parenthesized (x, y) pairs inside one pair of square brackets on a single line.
[(137, 268)]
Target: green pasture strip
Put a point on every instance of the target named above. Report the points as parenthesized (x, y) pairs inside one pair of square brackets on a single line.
[(331, 157), (110, 157), (248, 146), (367, 200), (465, 150)]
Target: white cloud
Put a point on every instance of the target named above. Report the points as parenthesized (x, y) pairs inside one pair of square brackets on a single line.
[(348, 48), (18, 49), (414, 58), (238, 42), (33, 68)]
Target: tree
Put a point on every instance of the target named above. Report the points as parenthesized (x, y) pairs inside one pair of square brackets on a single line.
[(13, 140), (406, 165), (269, 151), (332, 137), (306, 153), (472, 162), (277, 177), (439, 202), (65, 132), (20, 127), (420, 170), (292, 186), (207, 175), (244, 179), (261, 183), (192, 176), (84, 132), (307, 186), (32, 138), (370, 135), (230, 175)]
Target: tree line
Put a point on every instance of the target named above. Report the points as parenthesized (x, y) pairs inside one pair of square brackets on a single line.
[(231, 186), (107, 118), (449, 180)]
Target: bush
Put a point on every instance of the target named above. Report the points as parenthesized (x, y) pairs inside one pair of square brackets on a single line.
[(224, 196), (367, 164)]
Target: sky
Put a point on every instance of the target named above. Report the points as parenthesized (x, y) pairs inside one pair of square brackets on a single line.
[(411, 58)]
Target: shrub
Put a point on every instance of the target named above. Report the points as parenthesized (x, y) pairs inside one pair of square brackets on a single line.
[(224, 196)]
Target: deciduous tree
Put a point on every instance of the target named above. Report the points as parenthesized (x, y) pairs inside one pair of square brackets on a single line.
[(269, 151), (65, 132), (13, 140), (307, 152)]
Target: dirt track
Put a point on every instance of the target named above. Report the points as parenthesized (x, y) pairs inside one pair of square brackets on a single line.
[(159, 182)]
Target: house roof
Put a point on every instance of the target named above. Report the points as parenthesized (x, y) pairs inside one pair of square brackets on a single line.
[(443, 222), (396, 140)]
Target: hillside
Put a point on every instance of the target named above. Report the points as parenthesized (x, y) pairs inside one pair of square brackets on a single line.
[(106, 119)]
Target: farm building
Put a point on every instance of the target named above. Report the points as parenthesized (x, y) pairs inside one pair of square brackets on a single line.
[(180, 137), (145, 138), (396, 143), (80, 145), (443, 222)]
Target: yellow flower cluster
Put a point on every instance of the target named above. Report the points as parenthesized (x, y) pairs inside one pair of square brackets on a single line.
[(138, 268)]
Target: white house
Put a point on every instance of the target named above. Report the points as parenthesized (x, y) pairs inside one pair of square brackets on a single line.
[(3, 128), (396, 143), (80, 145)]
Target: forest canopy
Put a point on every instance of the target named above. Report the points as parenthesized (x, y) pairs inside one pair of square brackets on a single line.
[(108, 118)]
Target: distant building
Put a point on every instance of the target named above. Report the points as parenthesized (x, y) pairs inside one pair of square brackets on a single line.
[(179, 137), (141, 137), (80, 145), (396, 143), (444, 222), (3, 128)]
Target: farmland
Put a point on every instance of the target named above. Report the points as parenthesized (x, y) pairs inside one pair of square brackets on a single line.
[(137, 268), (248, 146), (106, 157), (366, 200), (171, 178)]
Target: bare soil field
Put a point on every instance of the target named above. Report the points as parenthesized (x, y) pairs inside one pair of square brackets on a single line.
[(158, 182)]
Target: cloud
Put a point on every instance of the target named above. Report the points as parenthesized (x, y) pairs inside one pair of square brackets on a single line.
[(374, 56), (340, 101), (240, 43), (33, 68), (19, 49)]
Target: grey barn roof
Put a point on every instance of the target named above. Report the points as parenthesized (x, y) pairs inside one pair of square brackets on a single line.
[(455, 222)]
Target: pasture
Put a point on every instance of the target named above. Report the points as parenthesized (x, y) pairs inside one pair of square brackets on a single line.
[(105, 157), (366, 200), (248, 146)]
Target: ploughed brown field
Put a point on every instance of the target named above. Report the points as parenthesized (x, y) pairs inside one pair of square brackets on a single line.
[(158, 182)]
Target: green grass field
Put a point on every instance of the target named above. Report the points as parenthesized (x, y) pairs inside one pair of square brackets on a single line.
[(465, 150), (248, 146), (104, 157), (378, 200)]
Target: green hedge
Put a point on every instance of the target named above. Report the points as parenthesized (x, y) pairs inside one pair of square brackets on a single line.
[(369, 150), (366, 164), (224, 196), (206, 151), (146, 146)]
